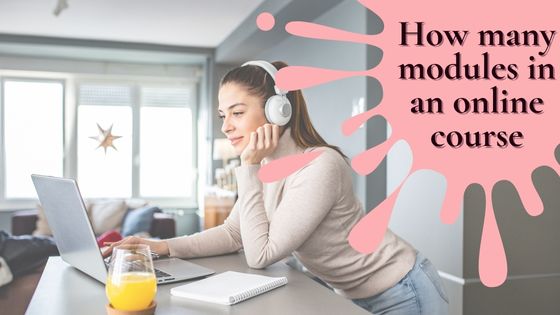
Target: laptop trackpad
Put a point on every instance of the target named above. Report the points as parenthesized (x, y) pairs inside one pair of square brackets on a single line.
[(179, 267)]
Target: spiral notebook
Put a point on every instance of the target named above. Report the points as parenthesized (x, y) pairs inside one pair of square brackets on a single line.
[(228, 288)]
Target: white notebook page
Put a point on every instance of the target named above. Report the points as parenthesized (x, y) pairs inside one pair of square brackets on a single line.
[(229, 287)]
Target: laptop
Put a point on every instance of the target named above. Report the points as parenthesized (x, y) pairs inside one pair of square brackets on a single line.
[(67, 217)]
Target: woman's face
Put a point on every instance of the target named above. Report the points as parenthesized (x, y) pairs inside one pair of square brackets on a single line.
[(241, 114)]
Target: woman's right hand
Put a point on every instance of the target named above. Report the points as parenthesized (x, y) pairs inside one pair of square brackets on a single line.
[(158, 247)]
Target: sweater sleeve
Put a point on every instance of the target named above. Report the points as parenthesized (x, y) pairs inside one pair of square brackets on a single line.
[(218, 240), (308, 196)]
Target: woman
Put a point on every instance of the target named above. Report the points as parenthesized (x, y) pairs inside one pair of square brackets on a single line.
[(308, 214)]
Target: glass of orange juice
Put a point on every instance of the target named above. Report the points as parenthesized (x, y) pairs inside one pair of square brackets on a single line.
[(131, 283)]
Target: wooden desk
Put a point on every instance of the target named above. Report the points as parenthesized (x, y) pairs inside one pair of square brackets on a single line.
[(65, 290)]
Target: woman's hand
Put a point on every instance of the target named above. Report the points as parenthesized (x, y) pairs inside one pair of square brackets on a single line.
[(158, 247), (262, 143)]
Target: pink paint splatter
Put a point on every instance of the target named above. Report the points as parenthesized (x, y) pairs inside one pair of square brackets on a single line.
[(281, 168), (367, 234), (299, 77), (265, 21), (461, 165), (366, 162), (353, 123), (317, 31)]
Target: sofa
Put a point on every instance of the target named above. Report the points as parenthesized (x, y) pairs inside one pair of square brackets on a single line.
[(24, 222), (15, 297)]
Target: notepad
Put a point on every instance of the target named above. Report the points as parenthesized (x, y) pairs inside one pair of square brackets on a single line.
[(229, 287)]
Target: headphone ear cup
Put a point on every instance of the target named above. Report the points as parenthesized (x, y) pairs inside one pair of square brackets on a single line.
[(278, 110)]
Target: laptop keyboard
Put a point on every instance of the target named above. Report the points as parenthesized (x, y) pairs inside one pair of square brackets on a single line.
[(161, 274), (158, 273)]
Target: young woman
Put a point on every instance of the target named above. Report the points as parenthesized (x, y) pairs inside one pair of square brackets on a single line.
[(308, 214)]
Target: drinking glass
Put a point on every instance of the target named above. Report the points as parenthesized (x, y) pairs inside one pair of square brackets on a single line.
[(131, 283)]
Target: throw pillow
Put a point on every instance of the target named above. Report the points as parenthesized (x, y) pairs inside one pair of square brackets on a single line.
[(109, 236), (139, 220), (134, 203), (106, 215), (42, 228)]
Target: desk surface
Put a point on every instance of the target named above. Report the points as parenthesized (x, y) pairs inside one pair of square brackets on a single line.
[(65, 290)]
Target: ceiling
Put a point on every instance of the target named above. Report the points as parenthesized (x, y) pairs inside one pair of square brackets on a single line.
[(193, 23)]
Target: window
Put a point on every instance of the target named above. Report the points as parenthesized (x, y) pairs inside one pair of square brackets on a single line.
[(33, 133), (53, 126), (166, 142), (105, 172), (161, 155)]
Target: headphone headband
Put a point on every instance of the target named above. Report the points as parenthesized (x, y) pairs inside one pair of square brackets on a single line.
[(269, 68)]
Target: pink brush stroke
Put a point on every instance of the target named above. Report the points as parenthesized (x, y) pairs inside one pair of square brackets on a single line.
[(284, 167)]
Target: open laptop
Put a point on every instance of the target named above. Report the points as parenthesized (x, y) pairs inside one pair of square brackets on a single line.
[(67, 217)]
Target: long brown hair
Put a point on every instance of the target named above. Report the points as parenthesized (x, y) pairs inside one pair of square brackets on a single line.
[(259, 83)]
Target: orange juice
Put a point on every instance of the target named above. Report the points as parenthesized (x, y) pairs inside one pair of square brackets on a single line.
[(131, 291)]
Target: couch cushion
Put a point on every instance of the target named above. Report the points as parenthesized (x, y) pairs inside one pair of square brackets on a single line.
[(106, 215), (42, 228), (138, 220), (134, 203), (107, 212)]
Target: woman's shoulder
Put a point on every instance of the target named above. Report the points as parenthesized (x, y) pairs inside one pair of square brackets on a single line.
[(329, 169), (328, 158)]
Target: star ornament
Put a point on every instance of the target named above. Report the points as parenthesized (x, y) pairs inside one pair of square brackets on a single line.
[(105, 138)]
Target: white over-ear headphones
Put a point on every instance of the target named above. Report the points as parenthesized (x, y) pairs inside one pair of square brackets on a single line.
[(277, 108)]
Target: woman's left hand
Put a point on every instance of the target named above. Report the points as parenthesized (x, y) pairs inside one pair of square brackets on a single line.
[(262, 143)]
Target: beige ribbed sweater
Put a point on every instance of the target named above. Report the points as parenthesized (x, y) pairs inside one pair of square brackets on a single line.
[(309, 214)]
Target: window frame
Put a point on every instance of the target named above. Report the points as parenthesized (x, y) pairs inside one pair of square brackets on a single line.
[(194, 137), (136, 85)]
